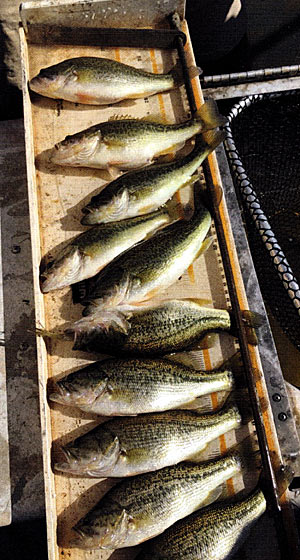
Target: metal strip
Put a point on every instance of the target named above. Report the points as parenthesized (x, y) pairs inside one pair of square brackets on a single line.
[(108, 37), (250, 76), (245, 89), (239, 84)]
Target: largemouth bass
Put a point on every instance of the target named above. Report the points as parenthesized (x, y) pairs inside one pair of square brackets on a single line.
[(148, 442), (170, 326), (99, 81), (142, 507), (131, 143), (116, 387), (215, 533), (92, 250), (143, 272), (142, 191)]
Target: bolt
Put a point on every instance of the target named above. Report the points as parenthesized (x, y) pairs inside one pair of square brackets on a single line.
[(16, 249), (282, 416), (276, 397)]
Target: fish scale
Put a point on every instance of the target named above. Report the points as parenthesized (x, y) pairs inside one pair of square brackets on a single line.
[(212, 534), (154, 501), (169, 326), (131, 143), (132, 445), (92, 250), (98, 81), (116, 387), (144, 271), (142, 191)]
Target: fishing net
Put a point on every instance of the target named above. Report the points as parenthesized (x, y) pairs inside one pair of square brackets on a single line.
[(263, 144)]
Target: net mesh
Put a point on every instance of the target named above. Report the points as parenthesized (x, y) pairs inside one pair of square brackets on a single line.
[(263, 150)]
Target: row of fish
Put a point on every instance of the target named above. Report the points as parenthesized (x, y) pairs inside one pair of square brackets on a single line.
[(144, 506), (127, 266)]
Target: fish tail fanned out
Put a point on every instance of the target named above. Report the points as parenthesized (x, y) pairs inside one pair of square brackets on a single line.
[(209, 114)]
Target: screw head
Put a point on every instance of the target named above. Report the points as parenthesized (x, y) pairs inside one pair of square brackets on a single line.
[(16, 249), (282, 416), (276, 397)]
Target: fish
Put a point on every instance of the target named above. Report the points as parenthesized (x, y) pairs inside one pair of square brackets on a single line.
[(131, 143), (131, 445), (142, 191), (88, 253), (141, 273), (215, 533), (142, 507), (99, 81), (169, 326), (120, 387)]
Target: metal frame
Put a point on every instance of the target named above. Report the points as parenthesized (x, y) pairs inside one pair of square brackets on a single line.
[(239, 84)]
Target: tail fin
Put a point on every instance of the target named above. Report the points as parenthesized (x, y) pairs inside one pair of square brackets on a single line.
[(284, 478), (235, 364), (209, 114), (252, 321), (248, 452), (177, 211), (213, 138), (177, 73), (241, 399)]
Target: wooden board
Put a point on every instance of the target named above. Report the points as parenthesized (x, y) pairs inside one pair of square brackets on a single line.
[(56, 197)]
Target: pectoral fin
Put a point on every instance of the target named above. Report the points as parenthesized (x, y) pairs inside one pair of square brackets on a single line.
[(213, 495), (204, 246), (190, 182), (171, 149), (113, 169)]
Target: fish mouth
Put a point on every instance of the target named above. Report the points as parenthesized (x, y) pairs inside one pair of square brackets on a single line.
[(75, 151), (57, 397), (83, 399), (83, 539), (43, 83), (109, 536), (60, 394), (72, 462), (87, 209), (70, 455), (45, 283), (89, 216), (49, 283)]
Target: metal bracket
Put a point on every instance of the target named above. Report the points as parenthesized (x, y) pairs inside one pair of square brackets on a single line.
[(105, 37)]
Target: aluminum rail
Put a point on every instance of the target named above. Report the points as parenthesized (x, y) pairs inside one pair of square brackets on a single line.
[(268, 483)]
